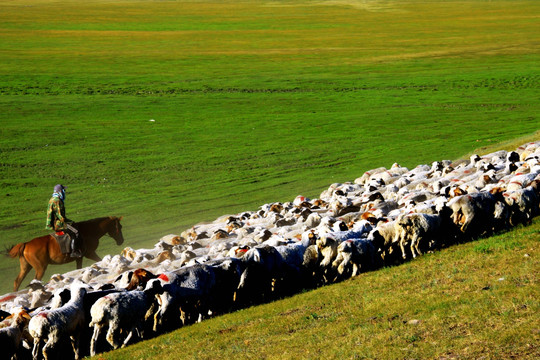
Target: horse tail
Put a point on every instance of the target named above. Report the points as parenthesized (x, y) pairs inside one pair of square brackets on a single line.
[(16, 251)]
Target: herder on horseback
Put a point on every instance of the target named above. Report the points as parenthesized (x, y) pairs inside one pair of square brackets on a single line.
[(57, 221), (42, 251)]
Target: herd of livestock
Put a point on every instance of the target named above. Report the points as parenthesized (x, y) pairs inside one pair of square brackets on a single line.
[(382, 218)]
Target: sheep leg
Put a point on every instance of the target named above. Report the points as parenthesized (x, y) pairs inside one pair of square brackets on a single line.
[(95, 337), (157, 320), (414, 246), (328, 254), (336, 263), (112, 337), (75, 346), (399, 239), (341, 269), (46, 349), (417, 246), (465, 222), (356, 269), (140, 331), (402, 246), (183, 317), (124, 344), (36, 349)]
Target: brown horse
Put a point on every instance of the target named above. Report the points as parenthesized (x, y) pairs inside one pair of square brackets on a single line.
[(38, 253)]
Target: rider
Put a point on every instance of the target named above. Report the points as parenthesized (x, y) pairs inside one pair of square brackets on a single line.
[(57, 221)]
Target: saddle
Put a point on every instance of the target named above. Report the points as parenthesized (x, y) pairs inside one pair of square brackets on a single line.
[(64, 240), (67, 240)]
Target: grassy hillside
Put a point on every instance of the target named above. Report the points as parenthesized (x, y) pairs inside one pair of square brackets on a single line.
[(253, 101), (470, 301)]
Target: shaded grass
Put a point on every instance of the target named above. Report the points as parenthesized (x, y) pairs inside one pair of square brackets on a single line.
[(460, 302)]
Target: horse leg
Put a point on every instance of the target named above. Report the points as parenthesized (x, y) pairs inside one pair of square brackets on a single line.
[(38, 260), (93, 256), (79, 262), (25, 268), (40, 271)]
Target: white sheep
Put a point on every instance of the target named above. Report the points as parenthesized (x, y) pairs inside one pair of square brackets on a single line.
[(329, 243), (524, 203), (122, 312), (53, 326), (418, 230), (12, 336), (354, 256), (385, 237)]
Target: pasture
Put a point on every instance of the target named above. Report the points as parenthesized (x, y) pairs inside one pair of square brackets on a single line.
[(252, 102)]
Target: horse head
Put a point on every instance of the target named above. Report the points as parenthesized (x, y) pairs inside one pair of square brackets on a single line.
[(114, 230)]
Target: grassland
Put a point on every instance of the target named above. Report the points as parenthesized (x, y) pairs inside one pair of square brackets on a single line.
[(253, 101)]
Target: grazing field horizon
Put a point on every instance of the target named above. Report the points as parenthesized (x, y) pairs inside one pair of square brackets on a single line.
[(171, 113)]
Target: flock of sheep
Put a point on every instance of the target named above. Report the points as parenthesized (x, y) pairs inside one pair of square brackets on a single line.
[(384, 217)]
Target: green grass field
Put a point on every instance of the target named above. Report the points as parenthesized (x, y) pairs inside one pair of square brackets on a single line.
[(253, 102)]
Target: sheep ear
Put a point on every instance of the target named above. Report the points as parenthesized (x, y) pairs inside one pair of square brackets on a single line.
[(156, 285)]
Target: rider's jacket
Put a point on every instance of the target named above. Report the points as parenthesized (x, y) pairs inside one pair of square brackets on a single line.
[(56, 215)]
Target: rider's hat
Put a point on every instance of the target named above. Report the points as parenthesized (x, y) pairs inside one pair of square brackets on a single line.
[(58, 188)]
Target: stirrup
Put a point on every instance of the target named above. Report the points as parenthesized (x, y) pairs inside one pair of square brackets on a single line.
[(76, 253)]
